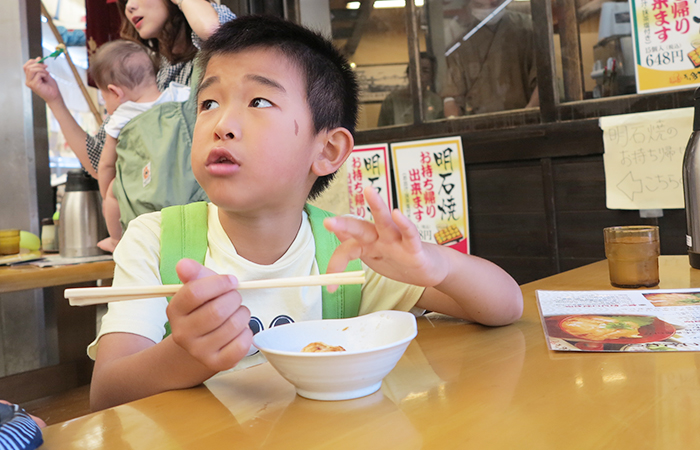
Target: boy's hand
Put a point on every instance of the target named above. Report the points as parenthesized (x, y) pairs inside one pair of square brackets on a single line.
[(391, 245), (40, 81), (207, 318)]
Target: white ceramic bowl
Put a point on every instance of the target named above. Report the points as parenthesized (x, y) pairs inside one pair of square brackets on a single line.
[(374, 344)]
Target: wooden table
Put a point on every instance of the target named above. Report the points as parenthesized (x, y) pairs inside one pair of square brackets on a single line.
[(459, 385), (75, 327), (26, 276)]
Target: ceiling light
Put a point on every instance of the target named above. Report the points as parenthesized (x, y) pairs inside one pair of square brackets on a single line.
[(384, 4)]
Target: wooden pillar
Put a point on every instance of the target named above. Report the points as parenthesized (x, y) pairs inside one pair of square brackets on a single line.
[(414, 62), (567, 19), (544, 51)]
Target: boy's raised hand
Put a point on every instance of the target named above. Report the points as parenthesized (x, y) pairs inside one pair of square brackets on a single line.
[(207, 319), (391, 246)]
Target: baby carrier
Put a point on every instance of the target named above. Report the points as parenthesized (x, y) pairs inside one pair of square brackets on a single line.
[(153, 168)]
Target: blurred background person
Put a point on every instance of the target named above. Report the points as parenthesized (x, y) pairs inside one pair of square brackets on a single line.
[(397, 107), (493, 70)]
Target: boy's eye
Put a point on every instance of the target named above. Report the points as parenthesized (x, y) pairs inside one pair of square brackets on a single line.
[(206, 105), (260, 103)]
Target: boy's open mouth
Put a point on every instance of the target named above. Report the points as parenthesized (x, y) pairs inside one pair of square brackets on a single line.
[(220, 160)]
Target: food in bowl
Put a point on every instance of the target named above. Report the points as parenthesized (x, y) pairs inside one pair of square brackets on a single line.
[(317, 347), (600, 328), (373, 345)]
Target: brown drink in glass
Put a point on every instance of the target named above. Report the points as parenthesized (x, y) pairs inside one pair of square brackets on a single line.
[(633, 255)]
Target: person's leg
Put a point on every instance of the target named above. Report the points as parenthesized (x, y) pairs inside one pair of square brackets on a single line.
[(110, 210)]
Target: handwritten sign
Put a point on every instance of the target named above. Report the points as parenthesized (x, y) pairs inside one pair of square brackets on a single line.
[(666, 44), (368, 166), (432, 189), (644, 158)]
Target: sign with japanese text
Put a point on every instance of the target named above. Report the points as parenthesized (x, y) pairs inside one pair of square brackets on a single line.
[(666, 38), (431, 188), (644, 158), (368, 165)]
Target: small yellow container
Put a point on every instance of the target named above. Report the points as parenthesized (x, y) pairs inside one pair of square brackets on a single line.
[(9, 242)]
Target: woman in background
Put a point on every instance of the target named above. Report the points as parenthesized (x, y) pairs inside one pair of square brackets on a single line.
[(173, 30)]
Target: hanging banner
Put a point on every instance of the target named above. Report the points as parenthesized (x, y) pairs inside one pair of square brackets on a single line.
[(368, 166), (102, 24), (666, 39), (432, 189)]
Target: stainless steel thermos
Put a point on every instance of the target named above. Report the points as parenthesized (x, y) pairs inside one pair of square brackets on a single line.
[(691, 188), (81, 224)]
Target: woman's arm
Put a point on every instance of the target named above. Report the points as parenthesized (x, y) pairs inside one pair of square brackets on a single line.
[(201, 16), (41, 83)]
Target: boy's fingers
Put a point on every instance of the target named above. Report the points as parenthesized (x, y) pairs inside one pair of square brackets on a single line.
[(386, 228), (215, 312), (201, 285), (352, 228), (189, 269), (343, 254), (380, 211), (211, 348), (408, 230), (235, 350)]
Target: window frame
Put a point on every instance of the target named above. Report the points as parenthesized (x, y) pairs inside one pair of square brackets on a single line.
[(552, 109)]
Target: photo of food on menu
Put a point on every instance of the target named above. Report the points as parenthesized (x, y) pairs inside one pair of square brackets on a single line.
[(621, 320)]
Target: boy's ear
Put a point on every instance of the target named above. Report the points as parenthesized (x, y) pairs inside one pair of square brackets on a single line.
[(116, 90), (338, 146)]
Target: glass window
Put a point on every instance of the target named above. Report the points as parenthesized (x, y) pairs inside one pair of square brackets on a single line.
[(476, 57), (485, 55), (606, 50), (375, 42)]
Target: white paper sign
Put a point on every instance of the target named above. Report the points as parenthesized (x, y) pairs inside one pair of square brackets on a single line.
[(644, 158)]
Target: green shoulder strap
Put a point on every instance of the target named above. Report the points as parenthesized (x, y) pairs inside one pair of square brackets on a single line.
[(183, 234), (345, 302)]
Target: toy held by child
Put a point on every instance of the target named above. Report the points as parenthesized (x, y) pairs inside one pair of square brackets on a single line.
[(276, 116), (126, 77)]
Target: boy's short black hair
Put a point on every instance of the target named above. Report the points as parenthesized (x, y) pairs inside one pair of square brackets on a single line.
[(331, 85)]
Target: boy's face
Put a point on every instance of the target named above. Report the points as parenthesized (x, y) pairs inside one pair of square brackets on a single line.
[(254, 141)]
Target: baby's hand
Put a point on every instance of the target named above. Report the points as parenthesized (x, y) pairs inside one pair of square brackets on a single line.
[(207, 318), (391, 246)]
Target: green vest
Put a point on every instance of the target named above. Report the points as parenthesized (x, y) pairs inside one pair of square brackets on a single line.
[(183, 234)]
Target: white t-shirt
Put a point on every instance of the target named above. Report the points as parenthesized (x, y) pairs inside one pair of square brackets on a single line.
[(175, 92), (137, 259)]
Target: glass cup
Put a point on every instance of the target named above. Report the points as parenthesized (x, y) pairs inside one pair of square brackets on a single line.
[(9, 242), (633, 255)]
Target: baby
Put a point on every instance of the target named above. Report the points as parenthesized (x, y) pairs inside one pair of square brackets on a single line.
[(125, 74)]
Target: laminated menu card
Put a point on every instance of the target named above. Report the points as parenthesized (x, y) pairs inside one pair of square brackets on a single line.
[(621, 320)]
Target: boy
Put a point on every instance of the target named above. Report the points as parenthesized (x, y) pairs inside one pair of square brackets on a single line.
[(277, 108), (125, 74)]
